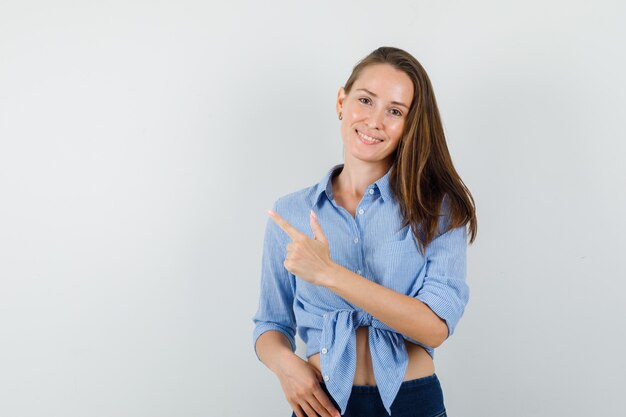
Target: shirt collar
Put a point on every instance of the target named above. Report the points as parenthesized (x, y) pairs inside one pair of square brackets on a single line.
[(381, 185)]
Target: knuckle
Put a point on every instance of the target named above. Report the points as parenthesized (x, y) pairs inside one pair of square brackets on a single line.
[(301, 393), (313, 386)]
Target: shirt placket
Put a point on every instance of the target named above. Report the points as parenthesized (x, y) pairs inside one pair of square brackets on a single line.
[(357, 224)]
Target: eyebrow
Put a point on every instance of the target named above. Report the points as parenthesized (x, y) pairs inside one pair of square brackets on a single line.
[(393, 102)]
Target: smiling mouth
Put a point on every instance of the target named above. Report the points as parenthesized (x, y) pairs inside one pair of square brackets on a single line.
[(366, 138)]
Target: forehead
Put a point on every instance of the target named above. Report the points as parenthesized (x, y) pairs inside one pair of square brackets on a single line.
[(386, 82)]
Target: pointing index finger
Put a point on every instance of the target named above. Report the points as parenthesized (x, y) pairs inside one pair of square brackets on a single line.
[(284, 224)]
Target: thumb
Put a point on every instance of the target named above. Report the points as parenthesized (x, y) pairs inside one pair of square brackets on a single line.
[(317, 229)]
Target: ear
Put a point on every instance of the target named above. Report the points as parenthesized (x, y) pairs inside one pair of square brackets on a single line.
[(341, 95)]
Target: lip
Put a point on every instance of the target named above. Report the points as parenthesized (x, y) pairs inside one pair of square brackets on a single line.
[(370, 135), (365, 142)]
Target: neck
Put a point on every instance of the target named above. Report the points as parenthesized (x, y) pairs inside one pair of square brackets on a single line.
[(354, 178)]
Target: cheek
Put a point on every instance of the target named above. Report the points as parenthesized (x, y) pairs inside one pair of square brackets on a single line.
[(348, 127), (395, 129), (354, 112), (347, 134)]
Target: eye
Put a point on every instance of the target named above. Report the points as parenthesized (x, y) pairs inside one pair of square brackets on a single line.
[(363, 98), (398, 112)]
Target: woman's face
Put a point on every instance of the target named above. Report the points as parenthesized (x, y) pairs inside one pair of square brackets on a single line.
[(377, 106)]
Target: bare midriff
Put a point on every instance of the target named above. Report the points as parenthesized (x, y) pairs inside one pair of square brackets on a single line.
[(420, 362)]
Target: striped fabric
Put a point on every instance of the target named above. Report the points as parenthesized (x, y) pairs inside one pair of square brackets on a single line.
[(374, 245)]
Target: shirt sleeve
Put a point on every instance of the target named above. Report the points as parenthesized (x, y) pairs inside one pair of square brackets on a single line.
[(445, 289), (275, 308)]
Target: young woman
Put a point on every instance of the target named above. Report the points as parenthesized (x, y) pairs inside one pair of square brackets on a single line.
[(369, 264)]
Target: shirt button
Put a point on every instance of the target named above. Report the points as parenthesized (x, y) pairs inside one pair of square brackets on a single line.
[(324, 350), (356, 240), (371, 191), (325, 315), (326, 378), (358, 271), (361, 211)]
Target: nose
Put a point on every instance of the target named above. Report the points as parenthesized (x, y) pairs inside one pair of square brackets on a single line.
[(375, 119)]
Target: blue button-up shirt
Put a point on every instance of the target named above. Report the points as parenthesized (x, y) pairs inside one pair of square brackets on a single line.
[(374, 245)]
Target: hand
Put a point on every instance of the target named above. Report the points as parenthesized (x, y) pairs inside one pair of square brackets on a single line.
[(307, 258), (301, 383)]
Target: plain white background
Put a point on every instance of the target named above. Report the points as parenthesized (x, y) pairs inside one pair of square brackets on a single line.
[(142, 142)]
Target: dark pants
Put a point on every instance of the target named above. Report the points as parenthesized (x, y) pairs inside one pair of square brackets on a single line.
[(421, 397)]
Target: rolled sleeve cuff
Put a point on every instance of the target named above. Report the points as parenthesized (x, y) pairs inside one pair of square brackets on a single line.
[(449, 307), (264, 327)]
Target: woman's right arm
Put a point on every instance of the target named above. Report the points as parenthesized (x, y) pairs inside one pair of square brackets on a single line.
[(273, 348), (275, 329)]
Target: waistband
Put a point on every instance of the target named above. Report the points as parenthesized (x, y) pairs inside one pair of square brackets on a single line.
[(406, 385)]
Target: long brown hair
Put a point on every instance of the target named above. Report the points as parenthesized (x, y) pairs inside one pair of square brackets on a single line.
[(422, 174)]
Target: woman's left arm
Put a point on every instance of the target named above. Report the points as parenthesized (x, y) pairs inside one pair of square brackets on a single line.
[(431, 316)]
